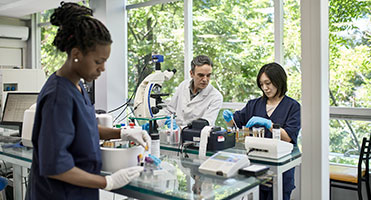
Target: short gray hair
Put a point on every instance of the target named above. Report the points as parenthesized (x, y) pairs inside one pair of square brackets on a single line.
[(201, 60)]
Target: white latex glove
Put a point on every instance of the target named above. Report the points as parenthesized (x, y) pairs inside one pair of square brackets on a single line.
[(122, 177), (137, 135)]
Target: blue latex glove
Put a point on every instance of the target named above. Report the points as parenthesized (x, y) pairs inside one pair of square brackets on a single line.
[(227, 115), (145, 126), (168, 124), (259, 121), (3, 183)]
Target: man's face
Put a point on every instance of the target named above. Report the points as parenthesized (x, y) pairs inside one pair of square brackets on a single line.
[(201, 76)]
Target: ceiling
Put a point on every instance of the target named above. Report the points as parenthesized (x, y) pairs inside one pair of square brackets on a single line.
[(21, 8)]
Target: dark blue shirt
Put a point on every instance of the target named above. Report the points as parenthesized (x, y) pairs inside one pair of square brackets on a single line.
[(65, 135), (287, 114)]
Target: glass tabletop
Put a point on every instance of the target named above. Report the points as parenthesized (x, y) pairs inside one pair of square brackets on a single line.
[(9, 148), (180, 179), (240, 148)]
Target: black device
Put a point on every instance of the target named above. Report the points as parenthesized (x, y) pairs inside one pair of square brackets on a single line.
[(218, 140), (15, 105), (253, 170)]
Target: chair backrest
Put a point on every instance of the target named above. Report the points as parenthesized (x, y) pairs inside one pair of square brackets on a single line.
[(364, 157)]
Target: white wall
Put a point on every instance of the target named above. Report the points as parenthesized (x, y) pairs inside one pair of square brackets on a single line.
[(111, 87)]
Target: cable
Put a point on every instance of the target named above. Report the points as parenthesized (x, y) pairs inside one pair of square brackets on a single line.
[(180, 146), (119, 114), (135, 90), (128, 114)]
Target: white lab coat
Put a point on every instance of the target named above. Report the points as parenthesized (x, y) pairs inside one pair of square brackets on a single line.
[(205, 105)]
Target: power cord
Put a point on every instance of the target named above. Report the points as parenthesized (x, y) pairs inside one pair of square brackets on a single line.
[(132, 95), (180, 146)]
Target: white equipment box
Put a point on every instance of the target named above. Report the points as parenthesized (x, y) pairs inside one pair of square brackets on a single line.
[(20, 80), (267, 147), (224, 164)]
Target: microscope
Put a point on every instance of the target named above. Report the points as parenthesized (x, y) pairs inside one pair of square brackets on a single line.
[(148, 98)]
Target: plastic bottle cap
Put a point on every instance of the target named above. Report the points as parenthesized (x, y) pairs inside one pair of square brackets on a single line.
[(131, 124), (155, 136), (118, 126), (122, 124), (276, 126)]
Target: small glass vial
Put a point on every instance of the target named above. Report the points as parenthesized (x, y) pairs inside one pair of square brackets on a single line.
[(276, 132), (155, 145)]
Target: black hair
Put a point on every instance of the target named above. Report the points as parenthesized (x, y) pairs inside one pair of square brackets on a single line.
[(78, 28), (199, 61), (277, 75)]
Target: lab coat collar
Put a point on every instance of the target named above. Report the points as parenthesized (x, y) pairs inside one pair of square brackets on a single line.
[(203, 93)]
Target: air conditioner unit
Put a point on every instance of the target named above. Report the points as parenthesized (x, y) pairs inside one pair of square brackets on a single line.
[(14, 32)]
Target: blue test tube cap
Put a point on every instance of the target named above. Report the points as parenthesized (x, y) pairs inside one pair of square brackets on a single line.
[(156, 160)]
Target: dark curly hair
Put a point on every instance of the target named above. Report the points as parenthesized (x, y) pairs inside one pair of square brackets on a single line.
[(78, 28)]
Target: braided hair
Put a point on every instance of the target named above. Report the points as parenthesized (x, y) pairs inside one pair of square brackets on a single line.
[(78, 28)]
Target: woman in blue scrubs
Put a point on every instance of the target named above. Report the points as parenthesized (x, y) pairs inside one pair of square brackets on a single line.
[(66, 160), (274, 107)]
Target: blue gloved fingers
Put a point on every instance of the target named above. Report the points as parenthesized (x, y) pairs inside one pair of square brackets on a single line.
[(259, 121), (168, 124), (249, 124), (227, 115), (3, 182), (145, 126)]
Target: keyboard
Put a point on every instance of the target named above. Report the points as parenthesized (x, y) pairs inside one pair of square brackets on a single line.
[(9, 139)]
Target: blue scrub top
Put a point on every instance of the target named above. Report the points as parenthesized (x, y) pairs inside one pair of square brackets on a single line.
[(287, 114), (65, 135)]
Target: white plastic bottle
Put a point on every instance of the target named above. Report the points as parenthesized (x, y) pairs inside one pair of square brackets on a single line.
[(155, 145), (276, 132)]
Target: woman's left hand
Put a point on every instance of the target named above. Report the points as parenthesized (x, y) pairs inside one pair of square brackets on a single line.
[(259, 121)]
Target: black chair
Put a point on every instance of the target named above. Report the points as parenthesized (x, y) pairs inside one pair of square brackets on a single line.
[(352, 177)]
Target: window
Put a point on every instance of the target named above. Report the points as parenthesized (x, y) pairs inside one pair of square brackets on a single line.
[(346, 139), (292, 47), (350, 77), (350, 47), (51, 58), (238, 37), (152, 30)]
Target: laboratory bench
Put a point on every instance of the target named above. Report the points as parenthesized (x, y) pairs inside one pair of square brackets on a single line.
[(277, 166), (179, 179)]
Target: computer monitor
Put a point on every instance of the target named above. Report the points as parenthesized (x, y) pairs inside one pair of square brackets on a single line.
[(15, 105)]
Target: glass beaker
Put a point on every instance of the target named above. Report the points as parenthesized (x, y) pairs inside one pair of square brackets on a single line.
[(258, 131)]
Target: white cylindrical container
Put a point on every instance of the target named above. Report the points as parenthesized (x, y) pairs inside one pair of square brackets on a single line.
[(276, 132), (104, 120), (155, 145), (114, 159)]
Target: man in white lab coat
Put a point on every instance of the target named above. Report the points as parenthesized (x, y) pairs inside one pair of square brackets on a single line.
[(196, 98)]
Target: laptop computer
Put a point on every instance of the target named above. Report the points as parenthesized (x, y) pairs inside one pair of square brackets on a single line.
[(15, 105)]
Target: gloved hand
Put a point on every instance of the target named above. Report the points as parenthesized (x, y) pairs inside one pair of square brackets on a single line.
[(145, 126), (122, 177), (168, 124), (3, 183), (259, 121), (227, 115), (139, 136)]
